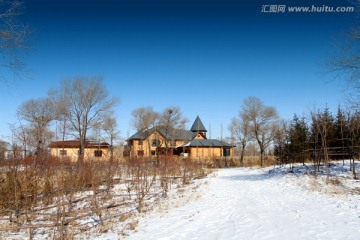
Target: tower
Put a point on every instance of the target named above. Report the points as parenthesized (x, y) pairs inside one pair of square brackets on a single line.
[(199, 128)]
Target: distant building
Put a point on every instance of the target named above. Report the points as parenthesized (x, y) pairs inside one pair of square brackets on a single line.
[(93, 150), (192, 143)]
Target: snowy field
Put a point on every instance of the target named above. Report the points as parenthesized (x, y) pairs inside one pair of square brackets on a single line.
[(237, 203), (250, 203)]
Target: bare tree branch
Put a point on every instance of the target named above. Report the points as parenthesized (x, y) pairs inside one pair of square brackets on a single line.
[(347, 65), (13, 37), (261, 119), (86, 103), (39, 113)]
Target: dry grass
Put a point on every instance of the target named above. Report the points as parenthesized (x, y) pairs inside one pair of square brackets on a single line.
[(331, 186), (133, 225), (356, 190), (223, 162), (335, 181), (124, 217), (54, 188)]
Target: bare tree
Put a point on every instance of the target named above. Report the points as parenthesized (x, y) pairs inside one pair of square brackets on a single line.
[(110, 127), (86, 103), (261, 119), (322, 127), (240, 130), (39, 113), (171, 120), (347, 64), (14, 150), (315, 129), (25, 136), (143, 119), (62, 123), (13, 36), (354, 134)]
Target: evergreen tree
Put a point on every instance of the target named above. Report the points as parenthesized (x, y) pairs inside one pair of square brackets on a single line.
[(298, 137)]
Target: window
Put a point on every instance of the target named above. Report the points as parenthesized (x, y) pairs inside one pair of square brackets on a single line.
[(140, 142), (126, 154), (140, 152), (153, 152), (63, 152), (226, 152), (155, 143), (98, 153)]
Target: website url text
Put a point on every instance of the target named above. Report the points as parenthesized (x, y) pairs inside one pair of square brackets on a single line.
[(312, 9)]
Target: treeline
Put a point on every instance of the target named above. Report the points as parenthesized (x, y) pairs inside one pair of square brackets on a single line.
[(319, 137)]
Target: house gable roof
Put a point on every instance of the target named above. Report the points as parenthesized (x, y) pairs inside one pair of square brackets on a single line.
[(177, 134), (142, 134), (198, 126)]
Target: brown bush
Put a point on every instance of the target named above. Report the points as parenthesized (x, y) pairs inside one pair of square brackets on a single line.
[(29, 187)]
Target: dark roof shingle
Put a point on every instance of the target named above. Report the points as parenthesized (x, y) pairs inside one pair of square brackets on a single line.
[(198, 126), (177, 134), (206, 143)]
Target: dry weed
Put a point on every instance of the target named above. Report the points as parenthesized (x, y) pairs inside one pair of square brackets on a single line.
[(57, 189), (334, 181), (124, 217), (133, 225)]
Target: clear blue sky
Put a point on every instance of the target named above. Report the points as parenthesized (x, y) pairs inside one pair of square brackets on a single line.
[(203, 56)]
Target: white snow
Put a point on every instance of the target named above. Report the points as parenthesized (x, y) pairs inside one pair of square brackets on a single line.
[(238, 203), (248, 203)]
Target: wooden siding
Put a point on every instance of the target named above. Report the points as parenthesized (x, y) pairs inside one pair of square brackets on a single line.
[(89, 153)]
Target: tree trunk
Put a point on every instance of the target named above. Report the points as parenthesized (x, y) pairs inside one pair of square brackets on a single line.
[(111, 149), (81, 151), (242, 155), (261, 157), (39, 144), (353, 167), (149, 147)]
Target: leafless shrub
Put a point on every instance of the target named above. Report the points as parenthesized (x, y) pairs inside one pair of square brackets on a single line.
[(55, 194), (223, 162)]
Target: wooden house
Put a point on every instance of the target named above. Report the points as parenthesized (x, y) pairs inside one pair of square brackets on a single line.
[(161, 141), (93, 150)]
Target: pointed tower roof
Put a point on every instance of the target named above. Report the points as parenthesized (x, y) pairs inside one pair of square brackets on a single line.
[(198, 126)]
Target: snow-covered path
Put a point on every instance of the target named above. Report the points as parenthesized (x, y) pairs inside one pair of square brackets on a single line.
[(248, 203)]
